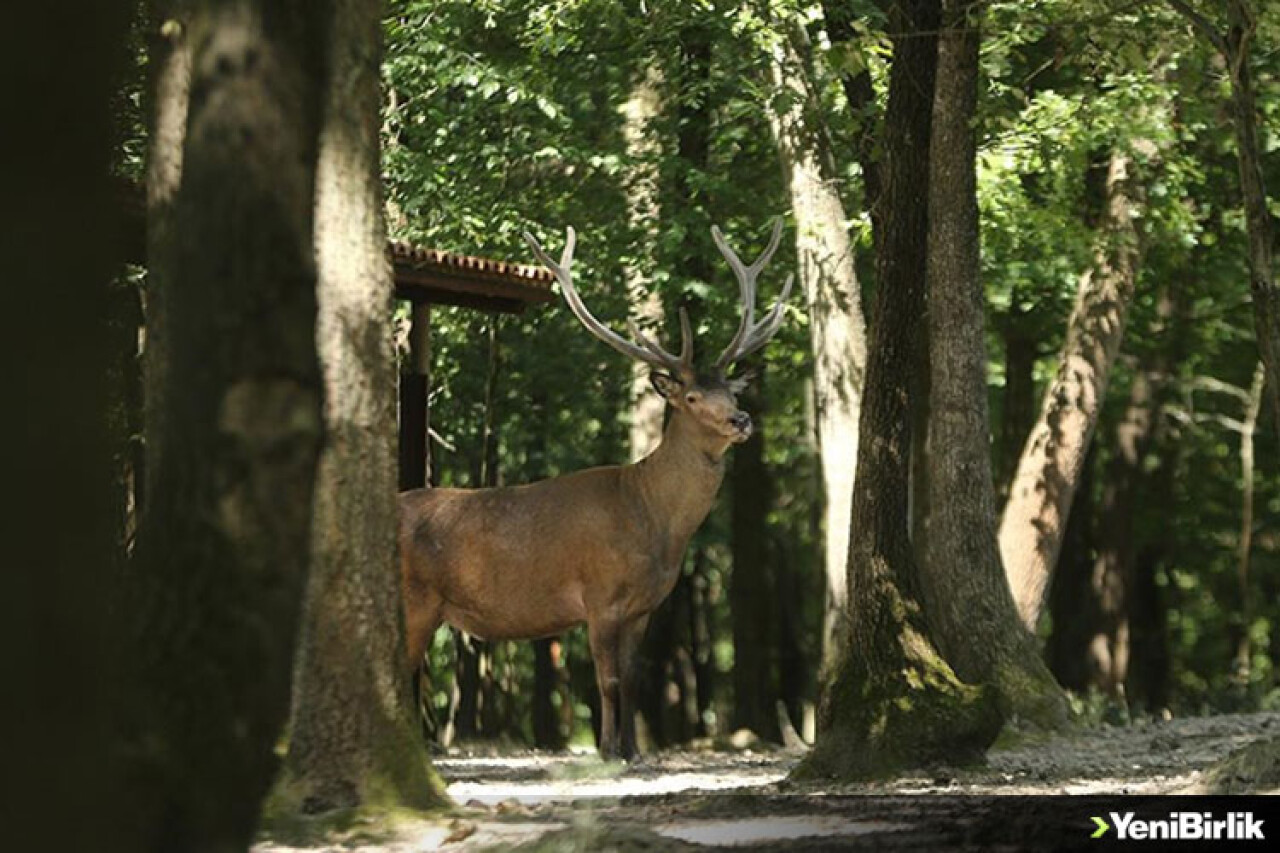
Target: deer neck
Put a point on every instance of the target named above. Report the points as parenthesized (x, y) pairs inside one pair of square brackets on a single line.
[(680, 478)]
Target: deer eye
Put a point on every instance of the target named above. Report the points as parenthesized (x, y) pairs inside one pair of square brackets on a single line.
[(691, 398)]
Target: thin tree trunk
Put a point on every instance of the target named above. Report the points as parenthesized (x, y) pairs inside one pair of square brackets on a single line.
[(1235, 45), (659, 656), (1048, 471), (548, 678), (1018, 404), (642, 108), (169, 62), (752, 598), (1111, 578), (352, 740), (836, 326), (1147, 688), (971, 612), (700, 647), (221, 566), (1072, 605), (1244, 649), (546, 683), (860, 94), (640, 111), (889, 699)]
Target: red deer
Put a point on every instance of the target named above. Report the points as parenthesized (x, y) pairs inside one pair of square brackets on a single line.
[(602, 546)]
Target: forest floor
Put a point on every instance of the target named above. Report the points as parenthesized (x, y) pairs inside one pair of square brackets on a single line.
[(682, 800)]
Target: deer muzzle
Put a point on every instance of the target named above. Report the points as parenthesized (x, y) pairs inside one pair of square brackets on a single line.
[(741, 422)]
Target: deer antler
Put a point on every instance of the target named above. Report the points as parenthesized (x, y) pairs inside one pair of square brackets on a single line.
[(751, 335), (644, 348)]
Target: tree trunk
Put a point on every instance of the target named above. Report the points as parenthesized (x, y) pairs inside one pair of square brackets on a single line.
[(752, 598), (860, 94), (1072, 605), (1235, 45), (352, 740), (836, 327), (640, 111), (65, 65), (550, 680), (889, 699), (1111, 578), (1018, 404), (971, 612), (1244, 650), (659, 656), (169, 90), (217, 589), (1048, 471), (546, 684)]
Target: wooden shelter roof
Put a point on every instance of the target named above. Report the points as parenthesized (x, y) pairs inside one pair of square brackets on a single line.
[(421, 275), (439, 277)]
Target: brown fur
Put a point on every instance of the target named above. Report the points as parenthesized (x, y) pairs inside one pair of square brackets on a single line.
[(602, 546)]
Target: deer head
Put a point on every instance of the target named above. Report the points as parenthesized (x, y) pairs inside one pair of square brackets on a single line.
[(707, 399)]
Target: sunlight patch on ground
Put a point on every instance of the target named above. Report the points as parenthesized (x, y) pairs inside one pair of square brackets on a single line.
[(733, 833), (534, 780)]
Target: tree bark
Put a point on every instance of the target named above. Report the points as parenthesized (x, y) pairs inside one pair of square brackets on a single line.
[(837, 331), (659, 656), (1235, 45), (65, 65), (169, 90), (889, 699), (1111, 578), (221, 566), (353, 741), (1018, 403), (1049, 468), (971, 612), (1072, 604), (1244, 649), (752, 597), (860, 94), (640, 111)]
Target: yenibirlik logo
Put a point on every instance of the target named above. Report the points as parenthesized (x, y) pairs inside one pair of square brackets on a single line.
[(1182, 826)]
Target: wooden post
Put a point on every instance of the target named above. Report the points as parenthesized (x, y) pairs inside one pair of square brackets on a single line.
[(415, 414)]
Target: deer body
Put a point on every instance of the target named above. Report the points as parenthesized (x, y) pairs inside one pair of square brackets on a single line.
[(524, 562), (602, 546)]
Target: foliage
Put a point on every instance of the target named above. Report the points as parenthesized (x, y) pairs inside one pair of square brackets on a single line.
[(502, 117)]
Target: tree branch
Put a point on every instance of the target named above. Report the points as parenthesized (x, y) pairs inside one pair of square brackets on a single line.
[(1201, 23)]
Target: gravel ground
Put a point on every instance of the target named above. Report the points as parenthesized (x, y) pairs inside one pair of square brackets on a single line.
[(684, 800)]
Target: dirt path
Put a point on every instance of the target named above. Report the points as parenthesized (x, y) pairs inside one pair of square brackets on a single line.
[(678, 800)]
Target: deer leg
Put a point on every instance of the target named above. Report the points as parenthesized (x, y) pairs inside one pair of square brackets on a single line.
[(421, 619), (632, 635), (604, 639)]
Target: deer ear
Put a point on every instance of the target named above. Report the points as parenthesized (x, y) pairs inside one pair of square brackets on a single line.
[(739, 383), (665, 384)]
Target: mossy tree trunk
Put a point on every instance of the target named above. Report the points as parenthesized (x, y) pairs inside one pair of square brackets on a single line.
[(216, 591), (889, 699), (353, 741), (971, 612)]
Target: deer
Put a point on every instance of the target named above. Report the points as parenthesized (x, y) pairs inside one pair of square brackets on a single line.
[(604, 545)]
